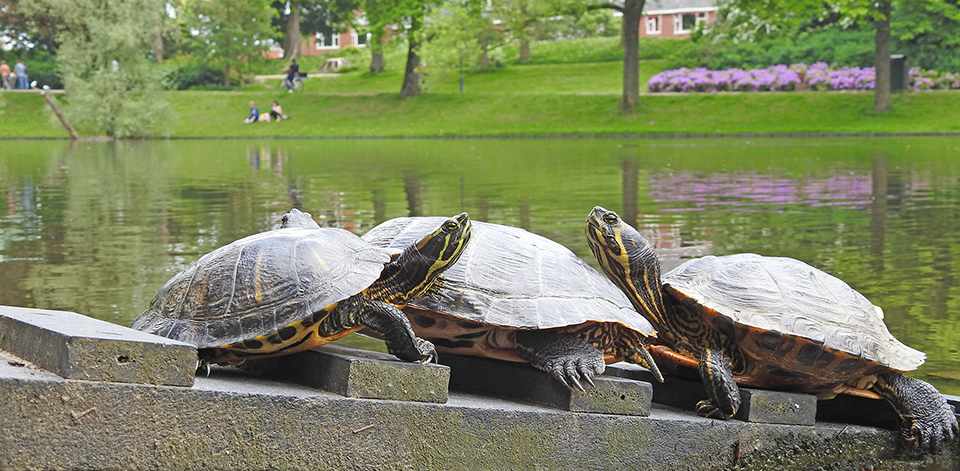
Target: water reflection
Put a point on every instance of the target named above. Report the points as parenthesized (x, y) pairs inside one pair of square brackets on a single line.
[(98, 227)]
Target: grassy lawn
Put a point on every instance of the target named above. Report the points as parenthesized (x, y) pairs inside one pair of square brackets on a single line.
[(578, 98)]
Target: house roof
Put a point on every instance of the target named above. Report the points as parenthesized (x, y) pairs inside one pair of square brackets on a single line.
[(662, 7)]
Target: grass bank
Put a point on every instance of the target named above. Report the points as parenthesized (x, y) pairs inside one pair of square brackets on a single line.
[(578, 98), (220, 114)]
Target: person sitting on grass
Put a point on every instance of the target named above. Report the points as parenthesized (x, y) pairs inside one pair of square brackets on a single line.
[(276, 112), (254, 114)]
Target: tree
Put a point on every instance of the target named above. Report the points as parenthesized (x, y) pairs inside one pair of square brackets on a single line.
[(632, 10), (753, 16), (381, 16), (460, 35), (104, 55), (299, 17), (522, 19), (229, 32)]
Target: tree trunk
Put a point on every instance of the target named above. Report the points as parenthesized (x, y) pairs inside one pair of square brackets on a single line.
[(291, 44), (377, 61), (484, 62), (226, 75), (158, 45), (525, 55), (881, 93), (411, 77), (630, 40)]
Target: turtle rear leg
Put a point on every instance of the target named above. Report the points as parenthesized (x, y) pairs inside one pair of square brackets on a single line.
[(565, 357), (716, 371), (929, 421), (383, 318)]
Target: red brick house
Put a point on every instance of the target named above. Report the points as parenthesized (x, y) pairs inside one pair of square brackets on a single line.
[(319, 44), (675, 18)]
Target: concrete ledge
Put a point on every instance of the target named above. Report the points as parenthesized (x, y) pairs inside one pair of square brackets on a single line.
[(522, 382), (359, 373), (757, 405), (236, 420), (80, 347)]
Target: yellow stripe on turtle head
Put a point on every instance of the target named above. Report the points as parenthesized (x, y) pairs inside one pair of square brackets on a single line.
[(628, 260)]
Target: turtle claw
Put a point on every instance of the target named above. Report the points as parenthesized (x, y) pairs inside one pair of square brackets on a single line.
[(706, 408), (204, 366), (589, 380)]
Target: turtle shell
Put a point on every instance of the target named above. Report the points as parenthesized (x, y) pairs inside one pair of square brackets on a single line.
[(260, 283), (509, 277), (772, 299)]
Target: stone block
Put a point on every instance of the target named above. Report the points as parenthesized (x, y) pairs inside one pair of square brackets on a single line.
[(757, 405), (75, 346), (858, 410), (354, 372), (777, 407), (522, 382)]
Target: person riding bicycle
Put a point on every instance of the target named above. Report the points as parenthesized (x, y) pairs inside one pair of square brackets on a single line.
[(293, 70)]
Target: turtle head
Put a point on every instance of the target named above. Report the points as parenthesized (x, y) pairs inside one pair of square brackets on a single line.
[(628, 259), (298, 219), (412, 272)]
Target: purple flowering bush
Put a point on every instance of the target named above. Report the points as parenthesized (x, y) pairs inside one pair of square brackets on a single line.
[(776, 78), (932, 80), (818, 76)]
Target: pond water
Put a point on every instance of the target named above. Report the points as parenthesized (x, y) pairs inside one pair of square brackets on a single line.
[(97, 228)]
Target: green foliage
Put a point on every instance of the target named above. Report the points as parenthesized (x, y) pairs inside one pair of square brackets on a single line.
[(600, 22), (456, 33), (846, 47), (41, 66), (839, 31), (103, 54), (229, 33), (195, 75)]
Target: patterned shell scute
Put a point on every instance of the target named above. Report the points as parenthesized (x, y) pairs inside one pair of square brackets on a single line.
[(260, 283), (510, 277), (788, 296)]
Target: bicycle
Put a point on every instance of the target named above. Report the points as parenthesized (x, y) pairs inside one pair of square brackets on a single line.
[(296, 86)]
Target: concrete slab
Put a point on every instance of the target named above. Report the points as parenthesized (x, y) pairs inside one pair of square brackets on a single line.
[(75, 346), (359, 373), (757, 405), (522, 382), (237, 420)]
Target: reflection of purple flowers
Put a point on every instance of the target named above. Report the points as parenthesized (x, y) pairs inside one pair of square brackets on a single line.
[(817, 76), (751, 191)]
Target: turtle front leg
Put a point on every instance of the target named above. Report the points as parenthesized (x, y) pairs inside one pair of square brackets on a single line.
[(929, 421), (565, 357), (383, 318), (716, 371)]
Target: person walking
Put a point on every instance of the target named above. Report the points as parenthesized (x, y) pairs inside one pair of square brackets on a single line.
[(21, 70), (5, 75)]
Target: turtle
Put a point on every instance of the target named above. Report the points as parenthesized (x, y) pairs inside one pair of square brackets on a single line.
[(769, 322), (521, 297), (301, 286)]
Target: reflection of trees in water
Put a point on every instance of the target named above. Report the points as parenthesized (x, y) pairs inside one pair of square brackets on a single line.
[(110, 226)]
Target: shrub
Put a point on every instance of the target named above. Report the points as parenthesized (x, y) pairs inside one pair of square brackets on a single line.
[(817, 76), (195, 75)]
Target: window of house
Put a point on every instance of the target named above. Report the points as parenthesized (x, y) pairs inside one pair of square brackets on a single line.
[(653, 25), (328, 41), (684, 22), (360, 40), (701, 18)]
